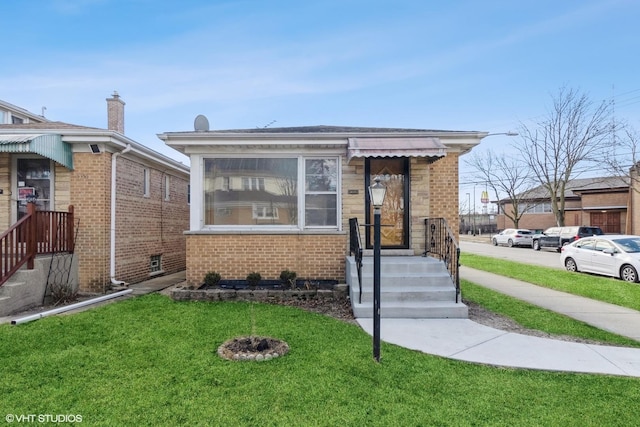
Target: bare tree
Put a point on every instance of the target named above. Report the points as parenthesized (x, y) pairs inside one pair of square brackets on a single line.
[(508, 178), (574, 132), (623, 159)]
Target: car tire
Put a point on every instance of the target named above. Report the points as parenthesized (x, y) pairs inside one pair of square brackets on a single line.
[(495, 242), (510, 243), (628, 273), (536, 245), (570, 265)]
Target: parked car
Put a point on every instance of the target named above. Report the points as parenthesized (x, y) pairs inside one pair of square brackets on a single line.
[(616, 255), (512, 237), (557, 237)]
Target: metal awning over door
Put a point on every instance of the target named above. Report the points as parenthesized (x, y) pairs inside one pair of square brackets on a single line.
[(395, 147), (50, 146)]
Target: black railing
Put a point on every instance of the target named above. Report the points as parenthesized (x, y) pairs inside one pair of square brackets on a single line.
[(440, 242), (355, 249)]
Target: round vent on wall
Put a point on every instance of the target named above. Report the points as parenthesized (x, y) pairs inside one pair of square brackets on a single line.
[(201, 124)]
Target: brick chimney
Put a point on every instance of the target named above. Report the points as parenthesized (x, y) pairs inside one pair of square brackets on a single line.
[(115, 113)]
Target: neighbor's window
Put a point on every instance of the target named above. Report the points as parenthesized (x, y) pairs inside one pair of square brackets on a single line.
[(265, 192), (155, 263), (147, 182), (167, 187)]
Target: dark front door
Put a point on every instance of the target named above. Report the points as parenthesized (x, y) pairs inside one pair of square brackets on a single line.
[(394, 217)]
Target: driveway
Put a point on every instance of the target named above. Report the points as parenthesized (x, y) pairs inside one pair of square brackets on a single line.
[(482, 246)]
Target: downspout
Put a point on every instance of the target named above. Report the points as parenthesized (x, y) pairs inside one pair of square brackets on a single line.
[(112, 266)]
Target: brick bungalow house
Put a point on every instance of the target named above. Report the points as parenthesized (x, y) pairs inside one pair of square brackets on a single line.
[(271, 199), (130, 202), (599, 201)]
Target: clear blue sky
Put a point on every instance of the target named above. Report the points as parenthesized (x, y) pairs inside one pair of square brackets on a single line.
[(456, 65)]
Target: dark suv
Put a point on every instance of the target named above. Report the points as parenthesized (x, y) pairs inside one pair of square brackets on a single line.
[(557, 237)]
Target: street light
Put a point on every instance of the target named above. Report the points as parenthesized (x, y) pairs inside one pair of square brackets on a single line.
[(474, 209), (509, 133), (469, 214), (376, 194)]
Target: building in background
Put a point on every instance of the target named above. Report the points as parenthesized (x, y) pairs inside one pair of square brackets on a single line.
[(130, 202), (601, 202)]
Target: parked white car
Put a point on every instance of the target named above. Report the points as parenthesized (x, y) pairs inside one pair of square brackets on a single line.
[(616, 255), (513, 237)]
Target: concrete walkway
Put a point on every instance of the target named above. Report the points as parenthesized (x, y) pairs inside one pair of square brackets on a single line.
[(466, 340)]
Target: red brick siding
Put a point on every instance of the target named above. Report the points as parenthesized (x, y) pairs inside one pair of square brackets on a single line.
[(90, 195), (150, 225), (145, 225)]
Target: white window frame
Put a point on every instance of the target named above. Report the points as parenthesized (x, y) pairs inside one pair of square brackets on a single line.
[(146, 177), (197, 211), (167, 187)]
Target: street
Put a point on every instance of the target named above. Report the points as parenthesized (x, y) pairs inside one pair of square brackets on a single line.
[(546, 258)]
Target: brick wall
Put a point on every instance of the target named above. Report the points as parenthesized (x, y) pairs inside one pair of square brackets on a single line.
[(311, 256), (352, 182), (420, 201), (149, 225), (145, 226), (90, 194), (443, 189)]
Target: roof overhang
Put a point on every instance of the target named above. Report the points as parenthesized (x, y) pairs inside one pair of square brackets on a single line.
[(50, 146), (396, 147)]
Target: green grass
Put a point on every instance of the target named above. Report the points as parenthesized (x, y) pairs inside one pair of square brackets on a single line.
[(152, 361), (534, 317), (605, 289)]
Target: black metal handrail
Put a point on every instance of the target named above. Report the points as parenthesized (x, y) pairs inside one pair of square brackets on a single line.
[(440, 242), (355, 249)]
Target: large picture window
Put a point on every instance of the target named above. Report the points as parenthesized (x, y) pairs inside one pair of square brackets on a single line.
[(266, 192)]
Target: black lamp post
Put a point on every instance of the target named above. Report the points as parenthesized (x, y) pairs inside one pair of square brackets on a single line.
[(376, 193)]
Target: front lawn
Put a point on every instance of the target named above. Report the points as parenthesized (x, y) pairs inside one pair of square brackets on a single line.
[(152, 361)]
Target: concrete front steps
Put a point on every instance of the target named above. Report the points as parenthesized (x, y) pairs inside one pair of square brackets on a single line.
[(26, 288), (410, 287)]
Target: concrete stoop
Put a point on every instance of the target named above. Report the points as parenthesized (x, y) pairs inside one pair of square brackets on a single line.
[(412, 287), (23, 290), (26, 288)]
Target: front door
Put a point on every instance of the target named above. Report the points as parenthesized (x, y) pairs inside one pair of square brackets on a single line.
[(33, 182), (394, 216)]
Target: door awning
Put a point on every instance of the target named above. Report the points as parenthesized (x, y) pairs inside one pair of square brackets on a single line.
[(395, 147), (50, 146)]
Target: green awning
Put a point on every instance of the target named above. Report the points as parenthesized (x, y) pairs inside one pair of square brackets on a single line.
[(50, 146)]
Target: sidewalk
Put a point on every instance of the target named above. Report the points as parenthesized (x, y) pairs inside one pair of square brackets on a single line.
[(463, 339), (609, 317)]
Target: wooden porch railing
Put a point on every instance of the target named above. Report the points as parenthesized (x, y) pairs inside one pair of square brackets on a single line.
[(38, 232)]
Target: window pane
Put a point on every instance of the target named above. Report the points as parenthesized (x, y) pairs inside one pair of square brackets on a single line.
[(251, 191), (321, 175), (320, 210)]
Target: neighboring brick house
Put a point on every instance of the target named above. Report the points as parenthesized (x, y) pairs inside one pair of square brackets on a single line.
[(130, 202), (600, 201), (271, 199)]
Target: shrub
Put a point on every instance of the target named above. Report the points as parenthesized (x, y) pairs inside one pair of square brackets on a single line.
[(254, 278), (212, 278), (288, 278)]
